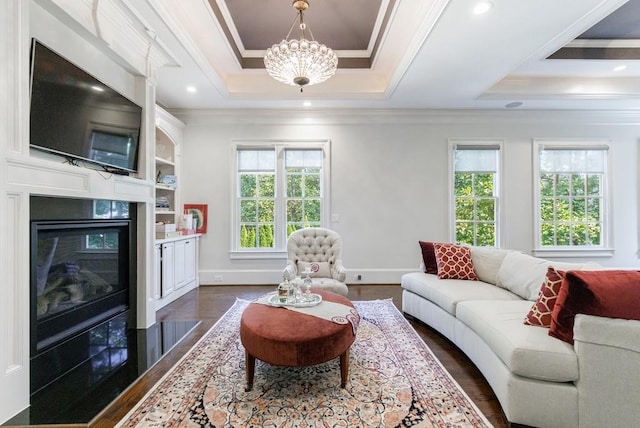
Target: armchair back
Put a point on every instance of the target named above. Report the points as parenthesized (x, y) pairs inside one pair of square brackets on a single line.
[(314, 244)]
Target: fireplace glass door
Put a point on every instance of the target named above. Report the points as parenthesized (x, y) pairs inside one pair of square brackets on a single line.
[(79, 276)]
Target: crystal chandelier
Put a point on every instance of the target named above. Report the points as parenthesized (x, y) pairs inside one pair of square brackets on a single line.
[(300, 62)]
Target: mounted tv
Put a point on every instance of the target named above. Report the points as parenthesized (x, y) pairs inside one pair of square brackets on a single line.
[(75, 115)]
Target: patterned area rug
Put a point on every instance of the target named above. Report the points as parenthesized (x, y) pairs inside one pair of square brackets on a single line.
[(394, 381)]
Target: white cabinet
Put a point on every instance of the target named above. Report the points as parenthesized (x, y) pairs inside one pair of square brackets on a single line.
[(185, 254), (179, 263), (190, 261), (157, 272), (178, 268), (168, 282)]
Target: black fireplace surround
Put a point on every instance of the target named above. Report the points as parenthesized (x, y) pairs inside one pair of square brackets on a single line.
[(82, 275)]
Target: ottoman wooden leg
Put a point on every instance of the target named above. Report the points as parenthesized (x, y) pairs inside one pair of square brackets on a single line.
[(344, 368), (250, 366)]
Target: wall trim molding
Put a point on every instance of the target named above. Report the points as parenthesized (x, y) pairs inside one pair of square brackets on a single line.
[(406, 116), (274, 276)]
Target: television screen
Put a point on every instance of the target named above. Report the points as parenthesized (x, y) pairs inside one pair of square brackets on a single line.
[(75, 115)]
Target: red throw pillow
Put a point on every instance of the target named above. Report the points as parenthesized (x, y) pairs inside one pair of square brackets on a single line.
[(540, 313), (605, 293), (428, 257), (454, 262)]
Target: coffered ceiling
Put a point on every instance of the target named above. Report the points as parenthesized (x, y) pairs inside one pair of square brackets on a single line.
[(436, 54)]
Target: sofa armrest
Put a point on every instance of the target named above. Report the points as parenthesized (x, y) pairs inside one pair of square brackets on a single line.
[(608, 352), (290, 270), (339, 272)]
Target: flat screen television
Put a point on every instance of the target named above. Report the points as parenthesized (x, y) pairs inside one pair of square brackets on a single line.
[(75, 115)]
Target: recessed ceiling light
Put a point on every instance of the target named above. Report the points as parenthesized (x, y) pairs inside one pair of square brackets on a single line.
[(514, 104), (191, 89), (620, 67), (307, 103), (482, 7)]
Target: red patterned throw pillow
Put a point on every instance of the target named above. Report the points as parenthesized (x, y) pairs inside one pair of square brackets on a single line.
[(540, 313), (454, 262)]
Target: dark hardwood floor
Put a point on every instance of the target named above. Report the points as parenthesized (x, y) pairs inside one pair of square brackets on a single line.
[(209, 303)]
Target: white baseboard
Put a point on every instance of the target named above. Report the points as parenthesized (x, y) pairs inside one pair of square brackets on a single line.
[(272, 277)]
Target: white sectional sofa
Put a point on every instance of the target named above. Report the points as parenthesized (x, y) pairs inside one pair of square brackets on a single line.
[(539, 380)]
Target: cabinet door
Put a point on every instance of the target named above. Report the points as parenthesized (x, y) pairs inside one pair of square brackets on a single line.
[(180, 259), (168, 269), (157, 272), (190, 260)]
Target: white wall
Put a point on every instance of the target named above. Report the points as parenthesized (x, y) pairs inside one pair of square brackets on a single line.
[(390, 179)]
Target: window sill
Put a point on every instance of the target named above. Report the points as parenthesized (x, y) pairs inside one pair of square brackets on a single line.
[(258, 255), (558, 252)]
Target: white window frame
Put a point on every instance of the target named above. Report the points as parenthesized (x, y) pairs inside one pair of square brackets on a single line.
[(280, 250), (605, 249), (483, 144)]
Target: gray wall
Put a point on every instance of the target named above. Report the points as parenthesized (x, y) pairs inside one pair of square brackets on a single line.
[(389, 179)]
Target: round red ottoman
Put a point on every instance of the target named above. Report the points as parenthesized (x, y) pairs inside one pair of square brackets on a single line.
[(282, 337)]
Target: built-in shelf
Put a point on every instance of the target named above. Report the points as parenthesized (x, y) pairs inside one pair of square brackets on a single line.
[(167, 166), (162, 161), (164, 187)]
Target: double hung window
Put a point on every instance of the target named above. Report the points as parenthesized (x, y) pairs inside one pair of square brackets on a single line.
[(280, 187), (572, 196), (475, 201)]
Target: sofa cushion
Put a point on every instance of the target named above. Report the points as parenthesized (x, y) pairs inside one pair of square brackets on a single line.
[(526, 350), (540, 313), (523, 274), (428, 257), (454, 262), (487, 262), (605, 293), (446, 293)]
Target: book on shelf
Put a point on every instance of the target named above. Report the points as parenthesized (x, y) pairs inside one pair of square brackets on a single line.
[(167, 181)]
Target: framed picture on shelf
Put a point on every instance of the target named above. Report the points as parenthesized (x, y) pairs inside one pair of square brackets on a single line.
[(199, 212)]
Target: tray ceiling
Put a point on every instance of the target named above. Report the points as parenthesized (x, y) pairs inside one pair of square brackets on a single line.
[(400, 54)]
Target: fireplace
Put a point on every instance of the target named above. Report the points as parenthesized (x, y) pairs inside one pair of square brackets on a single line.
[(82, 277)]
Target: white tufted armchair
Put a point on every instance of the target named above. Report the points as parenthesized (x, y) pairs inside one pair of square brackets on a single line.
[(321, 249)]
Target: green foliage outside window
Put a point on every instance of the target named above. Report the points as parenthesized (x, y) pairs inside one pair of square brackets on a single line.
[(303, 198), (475, 208), (570, 209), (257, 210), (257, 204)]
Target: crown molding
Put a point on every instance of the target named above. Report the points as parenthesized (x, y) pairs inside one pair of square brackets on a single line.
[(406, 116)]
